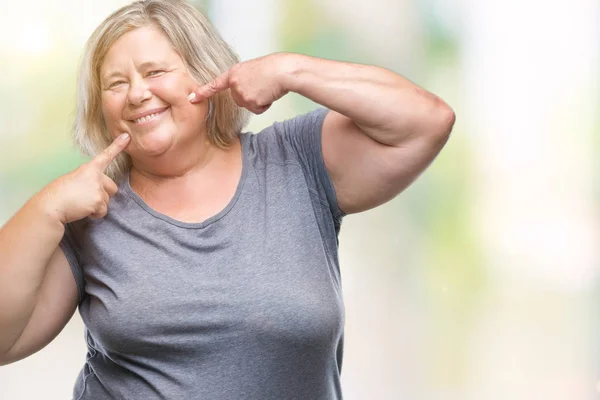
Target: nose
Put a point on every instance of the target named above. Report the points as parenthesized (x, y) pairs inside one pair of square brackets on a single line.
[(139, 91)]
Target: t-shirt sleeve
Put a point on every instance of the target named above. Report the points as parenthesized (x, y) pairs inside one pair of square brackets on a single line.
[(72, 245), (303, 135)]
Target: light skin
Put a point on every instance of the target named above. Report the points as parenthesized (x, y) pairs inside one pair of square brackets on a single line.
[(86, 191), (174, 165), (382, 130), (381, 133), (30, 280)]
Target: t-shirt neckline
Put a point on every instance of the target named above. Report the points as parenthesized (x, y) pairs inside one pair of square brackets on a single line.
[(194, 225)]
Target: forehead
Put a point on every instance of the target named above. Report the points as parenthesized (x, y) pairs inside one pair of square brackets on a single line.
[(139, 46)]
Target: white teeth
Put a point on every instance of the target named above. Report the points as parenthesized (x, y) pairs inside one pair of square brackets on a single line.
[(146, 118)]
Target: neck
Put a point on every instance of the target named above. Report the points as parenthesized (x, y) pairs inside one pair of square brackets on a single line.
[(193, 164)]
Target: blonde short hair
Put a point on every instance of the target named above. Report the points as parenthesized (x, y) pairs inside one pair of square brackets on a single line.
[(202, 49)]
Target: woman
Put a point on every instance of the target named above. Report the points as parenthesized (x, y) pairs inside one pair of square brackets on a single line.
[(204, 260)]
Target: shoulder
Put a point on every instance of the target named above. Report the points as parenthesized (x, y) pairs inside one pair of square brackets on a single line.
[(310, 121), (279, 142)]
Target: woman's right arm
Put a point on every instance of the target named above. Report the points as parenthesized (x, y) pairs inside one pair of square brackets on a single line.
[(38, 293)]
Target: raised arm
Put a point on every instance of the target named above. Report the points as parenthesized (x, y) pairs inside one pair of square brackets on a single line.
[(383, 130), (381, 133), (38, 293)]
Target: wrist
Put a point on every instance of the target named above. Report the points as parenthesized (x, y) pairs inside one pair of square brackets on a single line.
[(45, 204), (291, 67)]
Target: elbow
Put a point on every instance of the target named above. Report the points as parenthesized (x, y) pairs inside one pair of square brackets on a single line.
[(450, 119), (440, 123), (445, 119), (437, 117)]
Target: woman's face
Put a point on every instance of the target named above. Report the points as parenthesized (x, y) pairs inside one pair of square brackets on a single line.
[(145, 86)]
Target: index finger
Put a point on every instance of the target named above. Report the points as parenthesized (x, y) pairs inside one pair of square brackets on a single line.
[(107, 155), (213, 87)]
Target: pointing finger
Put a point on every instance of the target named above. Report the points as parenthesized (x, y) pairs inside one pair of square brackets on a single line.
[(213, 87), (107, 155)]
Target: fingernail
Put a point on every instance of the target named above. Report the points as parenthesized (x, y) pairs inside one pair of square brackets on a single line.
[(192, 96), (124, 136)]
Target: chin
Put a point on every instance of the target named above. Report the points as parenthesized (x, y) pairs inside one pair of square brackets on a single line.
[(152, 144)]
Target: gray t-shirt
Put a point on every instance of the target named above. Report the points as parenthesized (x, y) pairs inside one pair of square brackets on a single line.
[(245, 305)]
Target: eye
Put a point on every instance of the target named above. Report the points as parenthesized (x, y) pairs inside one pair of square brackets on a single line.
[(157, 72), (115, 84)]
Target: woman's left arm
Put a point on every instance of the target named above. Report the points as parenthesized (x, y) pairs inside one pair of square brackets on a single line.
[(381, 133)]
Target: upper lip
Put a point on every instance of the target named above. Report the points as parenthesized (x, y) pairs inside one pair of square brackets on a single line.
[(147, 112)]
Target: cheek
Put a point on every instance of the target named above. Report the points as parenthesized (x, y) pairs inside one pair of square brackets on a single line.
[(112, 106), (173, 91), (188, 116)]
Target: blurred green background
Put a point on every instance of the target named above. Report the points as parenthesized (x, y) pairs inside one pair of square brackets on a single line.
[(480, 281)]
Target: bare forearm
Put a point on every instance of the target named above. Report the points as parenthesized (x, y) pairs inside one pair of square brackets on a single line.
[(384, 105), (27, 242)]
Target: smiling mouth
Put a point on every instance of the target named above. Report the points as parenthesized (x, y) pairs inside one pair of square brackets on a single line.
[(148, 118)]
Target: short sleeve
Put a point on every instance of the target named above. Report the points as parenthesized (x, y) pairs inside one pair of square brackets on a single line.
[(72, 246), (303, 135)]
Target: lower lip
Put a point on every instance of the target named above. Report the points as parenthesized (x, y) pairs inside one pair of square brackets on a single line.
[(152, 121)]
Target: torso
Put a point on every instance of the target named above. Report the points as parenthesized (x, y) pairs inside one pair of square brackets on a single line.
[(247, 304)]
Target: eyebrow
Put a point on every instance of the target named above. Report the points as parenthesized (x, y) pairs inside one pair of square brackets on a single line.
[(150, 64), (110, 76)]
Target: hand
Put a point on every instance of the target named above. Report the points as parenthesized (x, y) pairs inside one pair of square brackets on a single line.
[(255, 84), (85, 191)]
